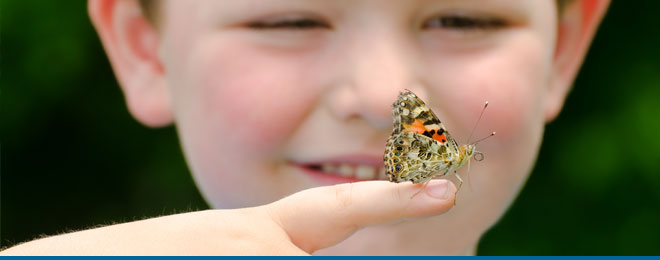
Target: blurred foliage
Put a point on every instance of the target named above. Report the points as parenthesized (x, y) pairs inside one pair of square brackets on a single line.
[(72, 157)]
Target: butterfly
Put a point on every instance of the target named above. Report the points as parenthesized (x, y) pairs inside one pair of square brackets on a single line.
[(420, 147)]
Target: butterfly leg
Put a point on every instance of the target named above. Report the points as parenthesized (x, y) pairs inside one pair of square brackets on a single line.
[(460, 183), (423, 187), (426, 181)]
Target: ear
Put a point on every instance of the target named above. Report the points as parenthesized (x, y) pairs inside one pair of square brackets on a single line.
[(577, 25), (132, 46)]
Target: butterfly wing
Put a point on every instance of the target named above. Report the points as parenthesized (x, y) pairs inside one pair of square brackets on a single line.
[(420, 146)]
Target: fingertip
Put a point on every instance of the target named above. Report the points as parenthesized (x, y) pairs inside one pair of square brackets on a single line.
[(439, 196), (438, 189)]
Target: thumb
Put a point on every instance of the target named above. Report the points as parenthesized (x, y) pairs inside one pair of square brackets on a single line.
[(320, 217)]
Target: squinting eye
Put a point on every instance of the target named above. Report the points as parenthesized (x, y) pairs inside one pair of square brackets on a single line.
[(459, 22), (287, 23)]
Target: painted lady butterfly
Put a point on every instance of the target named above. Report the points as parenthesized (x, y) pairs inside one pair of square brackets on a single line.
[(420, 148)]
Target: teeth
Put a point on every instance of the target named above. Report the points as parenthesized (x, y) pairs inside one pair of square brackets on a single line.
[(329, 167), (345, 170), (364, 172)]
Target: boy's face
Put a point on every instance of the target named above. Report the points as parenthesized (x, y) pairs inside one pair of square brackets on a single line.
[(267, 94), (272, 97)]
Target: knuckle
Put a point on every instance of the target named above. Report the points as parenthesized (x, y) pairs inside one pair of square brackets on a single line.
[(343, 196), (348, 215)]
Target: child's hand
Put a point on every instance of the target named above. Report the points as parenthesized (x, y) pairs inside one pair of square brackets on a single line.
[(296, 225)]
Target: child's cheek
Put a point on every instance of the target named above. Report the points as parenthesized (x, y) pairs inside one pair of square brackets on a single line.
[(256, 100), (513, 80), (520, 93)]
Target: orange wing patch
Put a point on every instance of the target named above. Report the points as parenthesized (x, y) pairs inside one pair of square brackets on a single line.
[(440, 137), (433, 131), (416, 127)]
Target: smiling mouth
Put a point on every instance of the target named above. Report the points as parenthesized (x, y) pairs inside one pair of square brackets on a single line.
[(346, 172)]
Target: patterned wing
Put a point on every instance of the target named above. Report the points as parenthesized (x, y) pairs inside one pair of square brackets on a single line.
[(414, 157), (419, 147)]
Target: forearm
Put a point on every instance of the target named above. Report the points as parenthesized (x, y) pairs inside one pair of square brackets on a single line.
[(145, 237)]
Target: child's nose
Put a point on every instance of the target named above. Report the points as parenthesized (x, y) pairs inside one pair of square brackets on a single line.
[(375, 72)]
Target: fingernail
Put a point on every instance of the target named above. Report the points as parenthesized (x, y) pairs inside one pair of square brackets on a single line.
[(438, 189)]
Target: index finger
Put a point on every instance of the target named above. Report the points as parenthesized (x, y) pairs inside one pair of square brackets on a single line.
[(323, 216)]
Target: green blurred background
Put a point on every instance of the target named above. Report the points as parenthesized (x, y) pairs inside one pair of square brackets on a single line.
[(72, 157)]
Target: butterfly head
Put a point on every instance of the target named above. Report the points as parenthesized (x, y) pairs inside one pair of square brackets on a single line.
[(469, 150), (466, 153)]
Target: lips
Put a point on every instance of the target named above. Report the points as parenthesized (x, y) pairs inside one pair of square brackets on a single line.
[(347, 169)]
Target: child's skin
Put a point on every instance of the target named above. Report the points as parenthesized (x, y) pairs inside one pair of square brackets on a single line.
[(256, 99)]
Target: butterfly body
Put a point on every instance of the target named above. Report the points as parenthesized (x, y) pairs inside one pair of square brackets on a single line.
[(420, 147)]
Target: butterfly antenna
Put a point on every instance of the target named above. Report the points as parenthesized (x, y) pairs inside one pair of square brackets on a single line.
[(476, 124), (491, 134)]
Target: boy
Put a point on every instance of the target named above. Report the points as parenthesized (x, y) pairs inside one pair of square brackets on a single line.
[(274, 97)]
